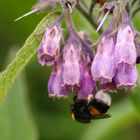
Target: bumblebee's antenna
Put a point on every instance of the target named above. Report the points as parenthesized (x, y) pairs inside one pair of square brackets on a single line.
[(27, 14)]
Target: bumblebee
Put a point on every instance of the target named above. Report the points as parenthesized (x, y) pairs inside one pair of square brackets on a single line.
[(96, 107)]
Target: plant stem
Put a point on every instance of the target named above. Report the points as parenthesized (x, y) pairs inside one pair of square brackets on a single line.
[(88, 17)]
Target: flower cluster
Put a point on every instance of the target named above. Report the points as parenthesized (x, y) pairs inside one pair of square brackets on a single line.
[(71, 65), (114, 65), (77, 70)]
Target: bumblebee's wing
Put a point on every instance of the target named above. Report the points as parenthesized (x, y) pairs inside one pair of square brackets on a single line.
[(105, 116)]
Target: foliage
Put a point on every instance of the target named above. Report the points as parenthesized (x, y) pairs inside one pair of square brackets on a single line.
[(23, 57), (52, 119), (15, 118)]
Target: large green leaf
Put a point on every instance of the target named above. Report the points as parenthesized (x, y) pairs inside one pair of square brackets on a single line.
[(23, 57), (136, 99), (123, 115), (15, 120), (135, 96)]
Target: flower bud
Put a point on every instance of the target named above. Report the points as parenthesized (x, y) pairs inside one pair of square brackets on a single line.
[(103, 65), (50, 45), (100, 1)]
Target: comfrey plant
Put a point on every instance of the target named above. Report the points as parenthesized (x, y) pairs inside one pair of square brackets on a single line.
[(78, 69), (71, 65)]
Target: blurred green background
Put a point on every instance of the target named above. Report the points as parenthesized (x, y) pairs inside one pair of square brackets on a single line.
[(28, 113)]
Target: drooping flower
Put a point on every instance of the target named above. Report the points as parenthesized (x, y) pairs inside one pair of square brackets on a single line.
[(103, 65), (50, 46), (126, 77), (125, 58), (87, 85), (72, 68), (125, 50), (55, 84)]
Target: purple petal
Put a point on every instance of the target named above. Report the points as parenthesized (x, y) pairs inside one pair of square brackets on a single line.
[(103, 65), (87, 86), (126, 77), (50, 46), (71, 67), (125, 51), (55, 85), (111, 87)]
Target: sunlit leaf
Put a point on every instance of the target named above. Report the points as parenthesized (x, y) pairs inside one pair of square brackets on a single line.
[(15, 120), (122, 115)]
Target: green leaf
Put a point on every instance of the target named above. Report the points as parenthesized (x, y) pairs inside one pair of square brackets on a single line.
[(15, 120), (135, 95), (23, 57), (136, 100)]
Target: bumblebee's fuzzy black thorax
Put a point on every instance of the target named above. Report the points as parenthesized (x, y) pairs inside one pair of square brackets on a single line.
[(80, 111), (94, 108)]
